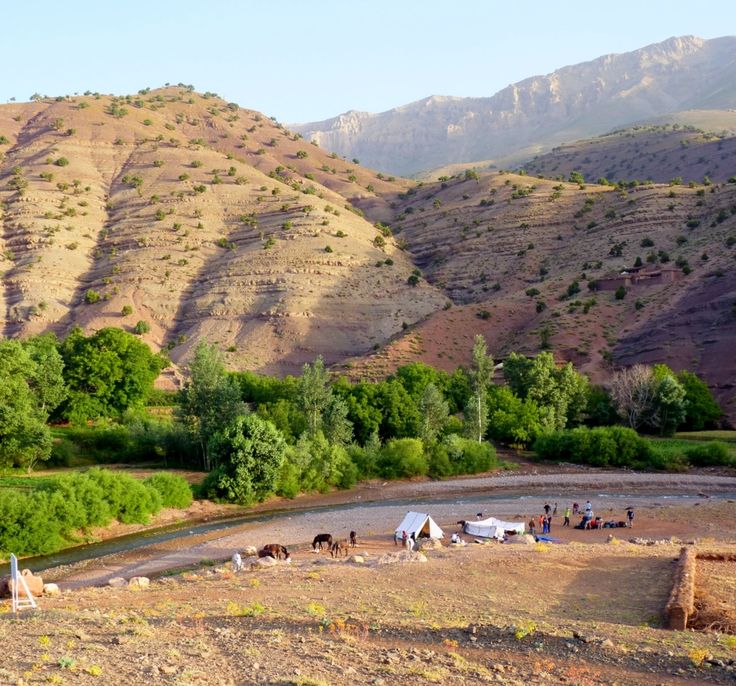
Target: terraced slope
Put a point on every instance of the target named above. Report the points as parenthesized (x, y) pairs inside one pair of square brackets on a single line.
[(657, 153), (534, 263), (205, 220)]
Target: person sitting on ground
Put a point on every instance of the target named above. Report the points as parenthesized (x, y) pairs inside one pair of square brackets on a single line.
[(455, 538)]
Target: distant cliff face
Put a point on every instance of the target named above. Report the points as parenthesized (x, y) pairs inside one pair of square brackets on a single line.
[(535, 114)]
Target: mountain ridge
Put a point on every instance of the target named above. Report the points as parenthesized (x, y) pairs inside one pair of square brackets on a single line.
[(590, 98)]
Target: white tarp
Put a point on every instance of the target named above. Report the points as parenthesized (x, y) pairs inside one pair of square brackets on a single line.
[(419, 524), (492, 528)]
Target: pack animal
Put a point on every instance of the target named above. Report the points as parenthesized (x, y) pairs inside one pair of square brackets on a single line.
[(319, 539), (274, 550), (340, 546)]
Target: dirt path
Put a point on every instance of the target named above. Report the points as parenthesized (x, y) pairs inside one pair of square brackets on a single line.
[(682, 507)]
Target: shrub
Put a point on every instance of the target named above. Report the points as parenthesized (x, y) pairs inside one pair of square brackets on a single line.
[(173, 489), (91, 296), (141, 327), (713, 453), (62, 162), (403, 457), (613, 446)]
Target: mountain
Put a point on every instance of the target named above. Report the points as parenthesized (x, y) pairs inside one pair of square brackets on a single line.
[(680, 74), (659, 153), (206, 221), (534, 263), (201, 219)]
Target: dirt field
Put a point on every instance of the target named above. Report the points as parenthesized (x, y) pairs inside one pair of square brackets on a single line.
[(575, 614), (715, 596)]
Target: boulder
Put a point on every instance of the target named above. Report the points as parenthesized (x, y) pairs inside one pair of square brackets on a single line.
[(430, 544), (117, 582), (419, 557), (138, 583), (264, 562), (357, 559), (51, 590), (524, 539), (250, 551)]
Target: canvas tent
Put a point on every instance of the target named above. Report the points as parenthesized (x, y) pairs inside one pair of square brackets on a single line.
[(492, 528), (419, 524)]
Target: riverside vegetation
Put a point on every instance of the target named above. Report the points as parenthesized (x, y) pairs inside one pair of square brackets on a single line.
[(259, 435)]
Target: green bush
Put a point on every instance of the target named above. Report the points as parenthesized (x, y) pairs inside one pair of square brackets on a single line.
[(612, 446), (403, 457), (173, 489), (713, 453), (49, 517)]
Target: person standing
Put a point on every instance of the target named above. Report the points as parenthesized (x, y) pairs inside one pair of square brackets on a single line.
[(549, 524), (630, 517), (547, 508), (554, 511), (575, 508), (566, 521), (404, 539), (588, 508), (532, 527)]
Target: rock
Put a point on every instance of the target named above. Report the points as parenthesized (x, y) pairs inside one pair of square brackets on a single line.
[(607, 643), (266, 562), (51, 590), (138, 583), (431, 544), (419, 557), (524, 539), (250, 551), (356, 559), (117, 582)]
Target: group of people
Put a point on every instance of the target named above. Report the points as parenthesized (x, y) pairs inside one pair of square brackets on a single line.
[(543, 524)]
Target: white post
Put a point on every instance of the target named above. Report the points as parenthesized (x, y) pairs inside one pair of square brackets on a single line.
[(17, 581)]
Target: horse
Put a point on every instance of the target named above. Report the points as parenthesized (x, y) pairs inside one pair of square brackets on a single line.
[(274, 550), (353, 539), (341, 545), (319, 539)]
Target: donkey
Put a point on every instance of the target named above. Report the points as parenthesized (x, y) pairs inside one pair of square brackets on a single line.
[(274, 550), (319, 539), (339, 546)]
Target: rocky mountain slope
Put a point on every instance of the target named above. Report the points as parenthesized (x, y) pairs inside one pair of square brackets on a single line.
[(657, 153), (533, 263), (189, 218), (531, 116), (200, 219)]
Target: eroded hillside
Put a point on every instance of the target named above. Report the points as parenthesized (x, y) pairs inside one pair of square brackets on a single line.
[(534, 263), (198, 218), (656, 153)]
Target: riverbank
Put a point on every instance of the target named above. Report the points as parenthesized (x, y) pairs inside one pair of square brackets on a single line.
[(667, 505)]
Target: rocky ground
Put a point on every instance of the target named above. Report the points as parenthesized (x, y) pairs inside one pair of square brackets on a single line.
[(538, 614)]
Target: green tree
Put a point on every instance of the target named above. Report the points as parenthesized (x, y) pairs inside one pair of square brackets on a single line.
[(512, 420), (106, 373), (434, 412), (561, 394), (337, 428), (24, 437), (47, 381), (210, 400), (314, 393), (248, 454), (701, 409), (481, 372), (668, 406)]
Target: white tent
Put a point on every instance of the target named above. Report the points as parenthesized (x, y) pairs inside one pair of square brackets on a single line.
[(492, 528), (419, 524)]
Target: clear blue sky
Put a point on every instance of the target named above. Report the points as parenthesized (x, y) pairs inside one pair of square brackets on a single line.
[(306, 60)]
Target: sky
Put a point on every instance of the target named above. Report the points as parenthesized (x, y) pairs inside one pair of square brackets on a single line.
[(305, 61)]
